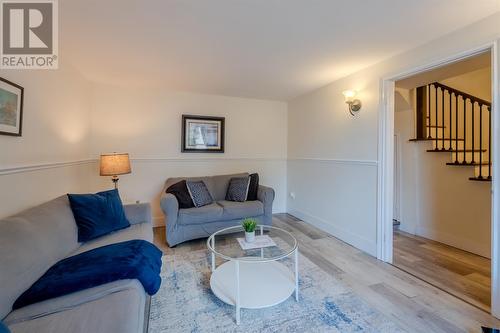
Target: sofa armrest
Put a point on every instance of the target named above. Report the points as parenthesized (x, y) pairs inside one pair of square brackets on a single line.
[(266, 196), (138, 213), (170, 207)]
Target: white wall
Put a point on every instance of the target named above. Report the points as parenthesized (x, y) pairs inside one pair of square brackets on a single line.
[(147, 124), (51, 157), (338, 151)]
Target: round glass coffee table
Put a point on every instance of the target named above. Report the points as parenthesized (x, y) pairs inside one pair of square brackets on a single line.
[(253, 278)]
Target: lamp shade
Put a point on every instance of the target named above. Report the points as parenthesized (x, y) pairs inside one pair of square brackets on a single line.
[(114, 164)]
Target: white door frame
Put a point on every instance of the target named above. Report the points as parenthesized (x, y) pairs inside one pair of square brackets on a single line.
[(386, 162)]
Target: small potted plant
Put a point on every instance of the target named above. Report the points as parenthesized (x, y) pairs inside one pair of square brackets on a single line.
[(249, 225)]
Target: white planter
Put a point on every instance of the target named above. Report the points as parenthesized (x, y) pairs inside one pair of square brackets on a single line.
[(250, 237)]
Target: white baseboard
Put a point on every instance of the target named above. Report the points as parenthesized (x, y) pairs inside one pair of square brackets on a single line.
[(361, 243), (458, 242)]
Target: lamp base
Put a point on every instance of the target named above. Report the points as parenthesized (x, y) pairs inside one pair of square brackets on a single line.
[(115, 180)]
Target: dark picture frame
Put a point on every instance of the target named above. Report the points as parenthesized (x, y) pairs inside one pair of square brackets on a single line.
[(202, 134), (11, 108)]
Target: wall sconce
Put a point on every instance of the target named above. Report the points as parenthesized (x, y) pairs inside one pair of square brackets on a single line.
[(354, 104)]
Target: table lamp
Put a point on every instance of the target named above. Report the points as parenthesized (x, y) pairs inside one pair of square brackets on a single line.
[(113, 165)]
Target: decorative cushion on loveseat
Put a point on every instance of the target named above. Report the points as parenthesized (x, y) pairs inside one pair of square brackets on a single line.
[(238, 189), (199, 193), (253, 187), (3, 328), (181, 192), (97, 214)]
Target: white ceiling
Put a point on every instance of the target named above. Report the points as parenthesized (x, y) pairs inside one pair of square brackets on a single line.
[(270, 49)]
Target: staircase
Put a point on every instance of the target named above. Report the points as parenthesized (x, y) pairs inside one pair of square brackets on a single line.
[(458, 124)]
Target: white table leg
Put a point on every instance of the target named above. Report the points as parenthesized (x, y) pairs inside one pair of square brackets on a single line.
[(237, 267), (213, 254), (297, 274)]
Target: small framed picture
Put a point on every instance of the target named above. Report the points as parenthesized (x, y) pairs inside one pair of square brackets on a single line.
[(202, 134), (11, 108)]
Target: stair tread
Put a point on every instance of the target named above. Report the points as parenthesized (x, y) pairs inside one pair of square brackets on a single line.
[(434, 139), (454, 151), (484, 179), (468, 164)]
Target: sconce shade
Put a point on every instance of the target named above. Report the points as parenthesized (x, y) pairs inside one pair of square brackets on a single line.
[(354, 105), (349, 95), (114, 164)]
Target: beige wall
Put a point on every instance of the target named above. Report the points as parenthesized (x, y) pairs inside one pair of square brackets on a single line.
[(68, 122), (55, 130), (330, 148), (147, 124), (476, 83)]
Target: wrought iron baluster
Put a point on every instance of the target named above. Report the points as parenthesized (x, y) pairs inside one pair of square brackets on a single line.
[(456, 129), (473, 105), (450, 121), (480, 142), (429, 112), (442, 118), (464, 161), (436, 117)]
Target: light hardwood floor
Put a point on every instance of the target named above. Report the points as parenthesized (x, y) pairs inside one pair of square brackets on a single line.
[(463, 274), (413, 304)]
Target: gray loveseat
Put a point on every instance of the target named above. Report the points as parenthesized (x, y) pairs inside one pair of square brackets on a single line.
[(34, 240), (193, 223)]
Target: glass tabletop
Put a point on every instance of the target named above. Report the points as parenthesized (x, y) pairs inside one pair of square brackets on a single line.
[(224, 243)]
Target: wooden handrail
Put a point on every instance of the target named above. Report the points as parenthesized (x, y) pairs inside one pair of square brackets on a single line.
[(463, 94)]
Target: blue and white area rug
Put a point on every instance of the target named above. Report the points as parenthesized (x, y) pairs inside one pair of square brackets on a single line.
[(185, 303)]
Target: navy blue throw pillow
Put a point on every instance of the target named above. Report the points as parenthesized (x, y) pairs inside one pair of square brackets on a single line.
[(3, 328), (97, 214)]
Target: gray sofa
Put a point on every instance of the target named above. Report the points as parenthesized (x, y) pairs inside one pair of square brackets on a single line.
[(34, 240), (193, 223)]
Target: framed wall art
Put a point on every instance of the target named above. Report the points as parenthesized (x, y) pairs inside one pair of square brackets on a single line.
[(202, 134), (11, 108)]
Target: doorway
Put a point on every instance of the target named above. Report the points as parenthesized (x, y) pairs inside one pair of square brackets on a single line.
[(388, 169)]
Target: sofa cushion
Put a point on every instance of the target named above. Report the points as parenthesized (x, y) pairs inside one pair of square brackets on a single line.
[(142, 231), (221, 183), (4, 328), (240, 210), (207, 180), (97, 214), (73, 300), (205, 214), (199, 193), (30, 243), (181, 193), (134, 259), (114, 307), (253, 187), (238, 189)]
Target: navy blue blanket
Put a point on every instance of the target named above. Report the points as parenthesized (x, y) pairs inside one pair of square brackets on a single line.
[(135, 259)]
